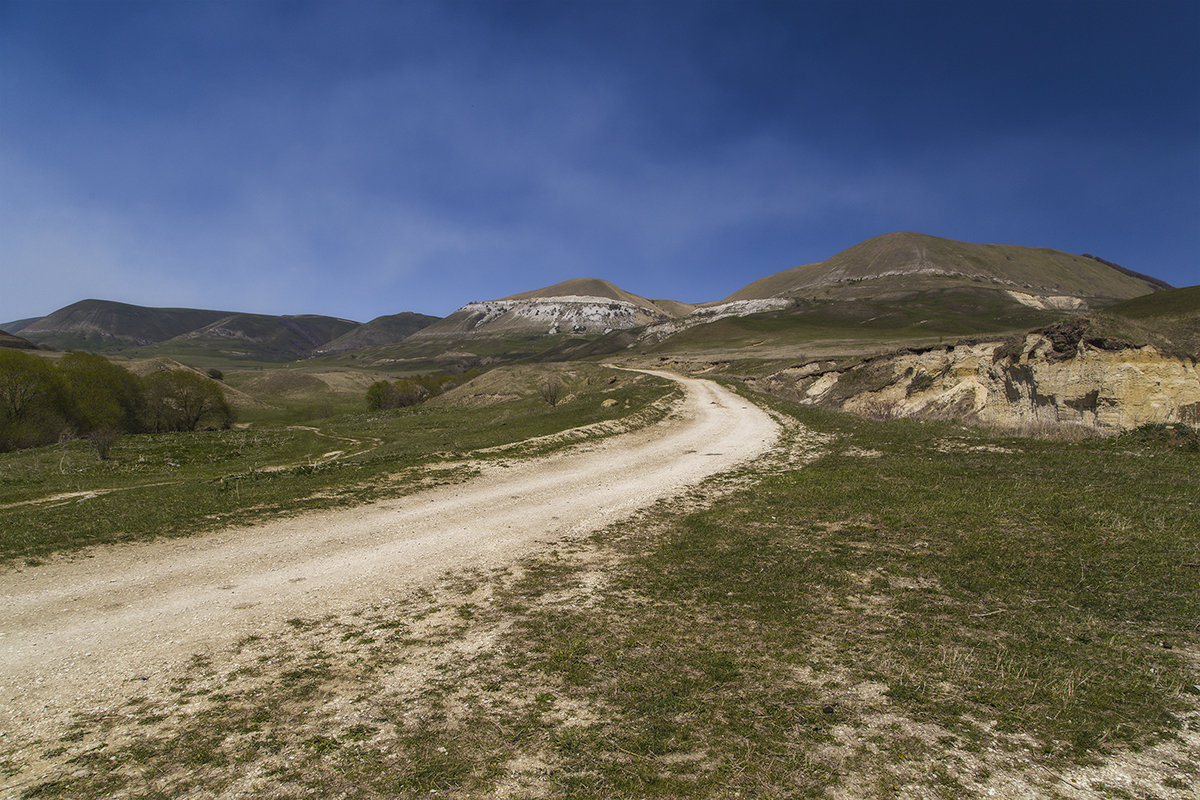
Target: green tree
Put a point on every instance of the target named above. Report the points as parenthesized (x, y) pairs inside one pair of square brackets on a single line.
[(179, 400), (411, 392), (32, 401), (382, 395), (103, 395)]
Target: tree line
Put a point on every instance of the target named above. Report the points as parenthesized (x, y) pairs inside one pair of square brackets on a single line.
[(84, 395), (403, 392)]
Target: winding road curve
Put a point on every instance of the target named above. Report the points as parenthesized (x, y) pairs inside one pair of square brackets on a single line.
[(74, 633)]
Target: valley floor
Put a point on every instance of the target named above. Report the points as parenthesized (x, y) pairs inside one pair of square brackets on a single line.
[(90, 632), (747, 598)]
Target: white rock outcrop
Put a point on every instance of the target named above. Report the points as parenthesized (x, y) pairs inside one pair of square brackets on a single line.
[(705, 314), (548, 315)]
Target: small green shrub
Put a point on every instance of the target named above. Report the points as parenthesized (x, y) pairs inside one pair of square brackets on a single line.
[(1177, 435), (405, 392)]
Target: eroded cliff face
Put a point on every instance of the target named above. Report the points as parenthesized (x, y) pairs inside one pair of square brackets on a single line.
[(1047, 377)]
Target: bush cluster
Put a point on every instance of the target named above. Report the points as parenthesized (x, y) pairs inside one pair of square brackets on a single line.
[(403, 392), (87, 395)]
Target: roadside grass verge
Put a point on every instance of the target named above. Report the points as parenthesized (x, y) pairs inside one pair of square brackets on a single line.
[(924, 610), (62, 497)]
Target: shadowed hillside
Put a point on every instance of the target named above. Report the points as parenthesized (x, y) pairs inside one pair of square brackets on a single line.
[(260, 337), (8, 340), (107, 326), (17, 325), (379, 331)]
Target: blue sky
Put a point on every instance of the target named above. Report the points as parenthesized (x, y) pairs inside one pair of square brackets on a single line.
[(360, 158)]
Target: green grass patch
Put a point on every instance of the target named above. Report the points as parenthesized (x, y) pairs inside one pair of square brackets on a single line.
[(62, 497), (924, 610), (849, 325)]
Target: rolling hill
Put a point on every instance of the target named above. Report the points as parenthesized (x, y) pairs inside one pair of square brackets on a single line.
[(534, 324), (1037, 276), (901, 289), (898, 289), (9, 340), (209, 336), (1169, 320), (1183, 302), (105, 326), (258, 337), (108, 327), (18, 324), (383, 330)]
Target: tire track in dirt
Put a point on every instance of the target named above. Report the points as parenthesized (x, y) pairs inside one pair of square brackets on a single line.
[(77, 633)]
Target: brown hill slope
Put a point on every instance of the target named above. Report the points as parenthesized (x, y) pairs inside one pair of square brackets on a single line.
[(899, 258)]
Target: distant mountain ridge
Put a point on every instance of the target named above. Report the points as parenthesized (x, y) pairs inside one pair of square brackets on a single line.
[(882, 281), (889, 281), (109, 327), (104, 325), (17, 324)]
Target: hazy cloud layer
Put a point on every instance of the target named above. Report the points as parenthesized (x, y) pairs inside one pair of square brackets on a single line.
[(365, 158)]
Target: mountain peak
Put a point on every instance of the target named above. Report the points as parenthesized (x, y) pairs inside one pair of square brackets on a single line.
[(583, 287), (918, 257)]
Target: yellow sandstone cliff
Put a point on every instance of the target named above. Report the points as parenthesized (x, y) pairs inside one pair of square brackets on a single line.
[(1039, 379)]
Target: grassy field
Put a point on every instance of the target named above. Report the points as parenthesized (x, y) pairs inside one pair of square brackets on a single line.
[(62, 497), (881, 609)]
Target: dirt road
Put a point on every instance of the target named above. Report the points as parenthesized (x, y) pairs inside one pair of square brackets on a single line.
[(75, 634)]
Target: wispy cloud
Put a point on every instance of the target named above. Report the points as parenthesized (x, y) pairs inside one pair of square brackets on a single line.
[(377, 157)]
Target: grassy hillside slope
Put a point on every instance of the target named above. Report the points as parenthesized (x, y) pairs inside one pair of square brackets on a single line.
[(107, 326), (1169, 320), (888, 609), (8, 340), (1036, 270), (388, 329), (258, 337), (907, 312)]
